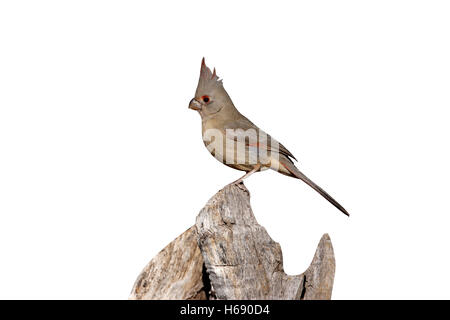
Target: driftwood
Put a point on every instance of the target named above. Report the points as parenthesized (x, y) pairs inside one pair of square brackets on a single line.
[(228, 255)]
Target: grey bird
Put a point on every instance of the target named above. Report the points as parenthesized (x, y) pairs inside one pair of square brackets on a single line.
[(238, 143)]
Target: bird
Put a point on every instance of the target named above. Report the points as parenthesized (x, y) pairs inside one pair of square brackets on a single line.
[(238, 143)]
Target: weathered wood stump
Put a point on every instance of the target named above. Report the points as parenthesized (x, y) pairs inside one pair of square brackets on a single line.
[(228, 255)]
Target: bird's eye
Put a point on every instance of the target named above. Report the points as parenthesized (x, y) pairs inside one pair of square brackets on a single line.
[(205, 99)]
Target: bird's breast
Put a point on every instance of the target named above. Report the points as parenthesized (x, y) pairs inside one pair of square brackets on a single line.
[(232, 151)]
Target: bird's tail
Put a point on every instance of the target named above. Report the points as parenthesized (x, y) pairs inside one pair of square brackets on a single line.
[(298, 174)]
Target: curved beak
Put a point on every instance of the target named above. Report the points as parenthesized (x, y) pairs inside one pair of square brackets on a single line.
[(195, 105)]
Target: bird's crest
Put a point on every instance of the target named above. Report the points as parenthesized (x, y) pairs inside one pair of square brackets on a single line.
[(208, 80)]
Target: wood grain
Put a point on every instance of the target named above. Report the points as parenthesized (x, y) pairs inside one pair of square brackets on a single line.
[(228, 255)]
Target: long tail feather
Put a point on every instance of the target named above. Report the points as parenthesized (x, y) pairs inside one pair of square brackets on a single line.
[(298, 174)]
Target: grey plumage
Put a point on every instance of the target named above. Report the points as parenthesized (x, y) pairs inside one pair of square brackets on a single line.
[(238, 143)]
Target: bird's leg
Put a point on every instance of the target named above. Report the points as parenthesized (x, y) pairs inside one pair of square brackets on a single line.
[(248, 174), (239, 181)]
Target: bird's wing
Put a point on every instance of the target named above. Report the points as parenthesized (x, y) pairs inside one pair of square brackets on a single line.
[(245, 124), (286, 167)]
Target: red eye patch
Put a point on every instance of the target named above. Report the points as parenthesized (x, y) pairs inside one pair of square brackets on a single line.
[(205, 99)]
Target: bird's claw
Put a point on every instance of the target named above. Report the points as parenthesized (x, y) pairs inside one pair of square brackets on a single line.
[(240, 185)]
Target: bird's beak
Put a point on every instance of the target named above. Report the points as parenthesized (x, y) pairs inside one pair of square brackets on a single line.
[(195, 105)]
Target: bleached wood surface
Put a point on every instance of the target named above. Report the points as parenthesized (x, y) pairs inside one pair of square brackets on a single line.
[(228, 255)]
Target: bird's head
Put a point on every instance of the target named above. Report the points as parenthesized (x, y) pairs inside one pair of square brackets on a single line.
[(210, 96)]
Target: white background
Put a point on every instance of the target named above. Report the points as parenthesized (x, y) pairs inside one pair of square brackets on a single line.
[(102, 163)]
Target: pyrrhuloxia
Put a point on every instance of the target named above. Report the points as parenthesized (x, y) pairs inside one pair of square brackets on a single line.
[(236, 141)]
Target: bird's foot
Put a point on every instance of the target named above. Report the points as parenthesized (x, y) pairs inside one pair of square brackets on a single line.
[(239, 184)]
